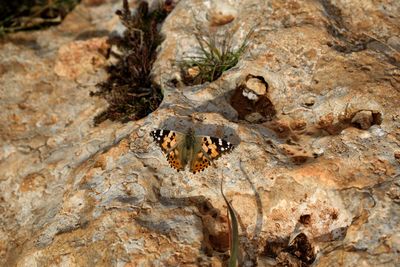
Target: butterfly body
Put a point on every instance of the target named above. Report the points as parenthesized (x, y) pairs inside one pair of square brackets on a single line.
[(197, 151)]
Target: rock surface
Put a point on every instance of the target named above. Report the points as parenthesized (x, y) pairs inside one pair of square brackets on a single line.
[(326, 165)]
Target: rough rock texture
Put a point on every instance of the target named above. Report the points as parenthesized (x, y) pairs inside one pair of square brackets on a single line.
[(326, 165)]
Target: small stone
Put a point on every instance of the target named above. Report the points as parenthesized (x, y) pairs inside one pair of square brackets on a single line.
[(254, 117), (257, 86), (221, 13), (250, 95), (318, 152), (193, 72), (363, 119)]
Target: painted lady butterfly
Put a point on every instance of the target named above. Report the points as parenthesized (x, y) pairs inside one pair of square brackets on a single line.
[(196, 150)]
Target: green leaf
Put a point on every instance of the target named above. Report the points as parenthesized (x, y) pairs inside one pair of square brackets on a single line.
[(234, 244)]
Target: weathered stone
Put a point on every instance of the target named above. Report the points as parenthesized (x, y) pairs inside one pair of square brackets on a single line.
[(250, 95), (363, 119), (80, 57), (193, 72), (254, 117), (322, 163), (221, 13), (257, 86)]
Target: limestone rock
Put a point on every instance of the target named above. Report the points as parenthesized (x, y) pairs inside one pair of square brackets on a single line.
[(364, 119), (318, 170), (78, 57), (257, 86), (221, 13)]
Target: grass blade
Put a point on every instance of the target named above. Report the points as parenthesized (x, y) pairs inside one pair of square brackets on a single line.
[(234, 241), (216, 55)]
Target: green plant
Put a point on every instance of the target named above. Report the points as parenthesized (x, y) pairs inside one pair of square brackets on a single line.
[(217, 55), (234, 233)]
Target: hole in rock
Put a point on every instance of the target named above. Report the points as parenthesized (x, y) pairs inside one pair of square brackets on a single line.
[(305, 219), (215, 230), (250, 100)]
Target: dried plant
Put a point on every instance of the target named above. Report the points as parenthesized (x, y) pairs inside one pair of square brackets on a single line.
[(129, 90)]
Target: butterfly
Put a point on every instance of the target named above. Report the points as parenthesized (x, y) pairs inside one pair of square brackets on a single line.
[(198, 151)]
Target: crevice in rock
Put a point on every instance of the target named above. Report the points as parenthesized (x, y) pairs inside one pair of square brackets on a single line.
[(129, 90), (347, 41), (305, 219), (215, 225)]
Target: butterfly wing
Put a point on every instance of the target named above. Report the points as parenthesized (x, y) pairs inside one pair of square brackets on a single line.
[(172, 144), (206, 150)]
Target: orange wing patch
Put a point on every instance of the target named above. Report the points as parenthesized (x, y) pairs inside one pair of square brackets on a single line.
[(199, 163), (169, 141), (210, 148), (174, 160)]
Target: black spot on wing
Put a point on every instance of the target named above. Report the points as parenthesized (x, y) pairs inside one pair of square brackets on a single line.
[(158, 135), (222, 145)]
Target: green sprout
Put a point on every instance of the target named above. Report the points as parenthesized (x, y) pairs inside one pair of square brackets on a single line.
[(216, 56)]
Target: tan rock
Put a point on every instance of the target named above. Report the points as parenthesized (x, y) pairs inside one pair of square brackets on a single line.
[(193, 72), (321, 164), (221, 13), (80, 57), (363, 118), (257, 86)]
